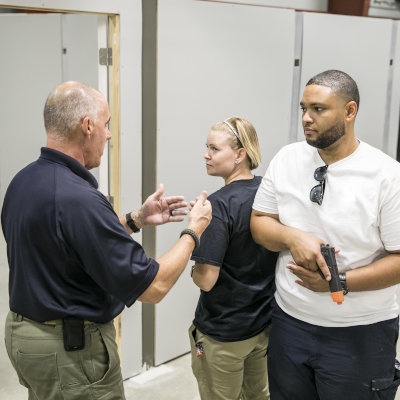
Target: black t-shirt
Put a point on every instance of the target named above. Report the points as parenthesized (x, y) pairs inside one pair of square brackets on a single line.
[(238, 307), (68, 253)]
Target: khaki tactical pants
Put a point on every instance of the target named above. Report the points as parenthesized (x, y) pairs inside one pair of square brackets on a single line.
[(49, 372), (231, 370)]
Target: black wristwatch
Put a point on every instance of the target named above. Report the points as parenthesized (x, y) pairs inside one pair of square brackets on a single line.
[(342, 277), (131, 223)]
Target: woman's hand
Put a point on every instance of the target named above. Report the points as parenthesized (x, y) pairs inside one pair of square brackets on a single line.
[(200, 214)]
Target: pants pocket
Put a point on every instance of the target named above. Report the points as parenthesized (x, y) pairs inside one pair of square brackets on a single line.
[(192, 335), (99, 357), (41, 373), (196, 363), (99, 366), (197, 366), (389, 331), (385, 386)]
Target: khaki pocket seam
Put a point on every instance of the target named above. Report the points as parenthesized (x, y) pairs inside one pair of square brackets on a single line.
[(110, 361)]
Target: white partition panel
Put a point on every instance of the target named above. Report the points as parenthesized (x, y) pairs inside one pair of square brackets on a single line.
[(361, 48), (214, 61)]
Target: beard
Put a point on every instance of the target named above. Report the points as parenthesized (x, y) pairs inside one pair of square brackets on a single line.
[(328, 137)]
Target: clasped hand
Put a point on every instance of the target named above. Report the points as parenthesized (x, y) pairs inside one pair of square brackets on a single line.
[(309, 279), (307, 259)]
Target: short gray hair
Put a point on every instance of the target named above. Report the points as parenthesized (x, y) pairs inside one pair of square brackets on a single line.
[(65, 109), (339, 82)]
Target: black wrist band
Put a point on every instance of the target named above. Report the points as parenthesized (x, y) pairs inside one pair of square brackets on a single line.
[(131, 223), (193, 234)]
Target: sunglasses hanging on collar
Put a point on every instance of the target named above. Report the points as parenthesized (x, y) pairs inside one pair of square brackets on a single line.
[(317, 192)]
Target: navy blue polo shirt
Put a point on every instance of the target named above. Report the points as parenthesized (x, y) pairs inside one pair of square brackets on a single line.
[(68, 253)]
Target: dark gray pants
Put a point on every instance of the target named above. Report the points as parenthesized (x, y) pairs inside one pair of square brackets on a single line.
[(330, 363), (49, 372)]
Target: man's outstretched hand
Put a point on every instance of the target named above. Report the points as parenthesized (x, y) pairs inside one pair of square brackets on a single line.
[(157, 210)]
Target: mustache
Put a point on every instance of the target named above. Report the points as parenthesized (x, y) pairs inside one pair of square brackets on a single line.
[(309, 127)]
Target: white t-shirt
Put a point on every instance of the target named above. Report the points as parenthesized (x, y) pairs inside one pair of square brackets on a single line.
[(360, 215)]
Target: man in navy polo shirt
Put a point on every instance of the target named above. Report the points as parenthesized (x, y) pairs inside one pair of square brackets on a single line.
[(73, 265)]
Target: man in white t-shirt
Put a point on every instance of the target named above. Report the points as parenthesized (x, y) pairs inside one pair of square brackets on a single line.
[(332, 189)]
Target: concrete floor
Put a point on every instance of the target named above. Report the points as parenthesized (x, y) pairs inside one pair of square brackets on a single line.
[(175, 380)]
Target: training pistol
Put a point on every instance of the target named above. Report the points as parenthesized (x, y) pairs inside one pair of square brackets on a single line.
[(334, 284)]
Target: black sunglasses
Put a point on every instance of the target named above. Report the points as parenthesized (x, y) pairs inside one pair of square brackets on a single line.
[(317, 192)]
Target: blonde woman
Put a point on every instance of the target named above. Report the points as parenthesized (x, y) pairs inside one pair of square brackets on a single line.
[(229, 335)]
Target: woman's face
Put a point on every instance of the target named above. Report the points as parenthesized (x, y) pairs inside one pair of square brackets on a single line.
[(220, 157)]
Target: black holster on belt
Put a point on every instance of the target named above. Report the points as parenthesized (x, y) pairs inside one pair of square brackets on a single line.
[(73, 333)]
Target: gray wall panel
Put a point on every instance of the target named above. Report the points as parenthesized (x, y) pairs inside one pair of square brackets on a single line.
[(311, 5), (82, 52), (361, 48), (395, 106), (30, 71), (214, 61)]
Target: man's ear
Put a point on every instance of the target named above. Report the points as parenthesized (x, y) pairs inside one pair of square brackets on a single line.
[(351, 111), (87, 127)]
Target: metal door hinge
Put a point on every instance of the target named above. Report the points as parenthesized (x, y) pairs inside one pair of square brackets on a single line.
[(110, 200), (105, 56)]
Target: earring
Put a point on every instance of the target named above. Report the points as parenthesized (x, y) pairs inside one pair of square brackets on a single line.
[(237, 162)]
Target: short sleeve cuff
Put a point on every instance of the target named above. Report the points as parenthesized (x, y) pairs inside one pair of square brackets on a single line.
[(146, 282), (392, 248), (202, 260), (266, 208)]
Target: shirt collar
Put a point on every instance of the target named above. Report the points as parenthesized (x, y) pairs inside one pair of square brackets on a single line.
[(74, 165)]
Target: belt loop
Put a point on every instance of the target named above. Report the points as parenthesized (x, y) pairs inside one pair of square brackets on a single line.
[(18, 318)]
